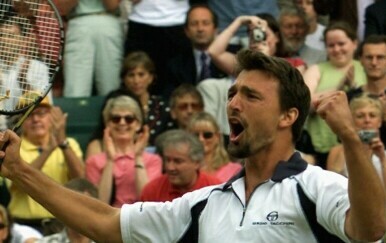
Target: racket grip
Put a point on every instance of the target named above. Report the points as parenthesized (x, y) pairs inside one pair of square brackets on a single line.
[(5, 145)]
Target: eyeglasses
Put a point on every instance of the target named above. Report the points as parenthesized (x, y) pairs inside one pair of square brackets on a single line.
[(205, 135), (117, 119), (185, 106), (40, 113)]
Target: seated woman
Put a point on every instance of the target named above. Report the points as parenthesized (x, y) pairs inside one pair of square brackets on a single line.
[(216, 160), (95, 145), (122, 171), (138, 74), (367, 115), (271, 46)]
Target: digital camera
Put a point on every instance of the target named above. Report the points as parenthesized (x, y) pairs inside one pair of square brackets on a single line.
[(367, 135), (258, 35)]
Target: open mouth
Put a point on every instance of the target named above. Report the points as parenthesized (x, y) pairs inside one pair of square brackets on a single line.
[(236, 129)]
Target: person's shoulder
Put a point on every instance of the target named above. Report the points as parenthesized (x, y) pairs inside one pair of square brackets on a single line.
[(315, 176)]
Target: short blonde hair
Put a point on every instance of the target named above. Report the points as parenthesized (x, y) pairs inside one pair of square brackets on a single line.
[(365, 100), (122, 102)]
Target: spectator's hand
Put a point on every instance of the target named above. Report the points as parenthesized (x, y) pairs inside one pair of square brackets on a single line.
[(348, 81), (253, 22), (334, 109), (109, 144), (378, 148), (59, 121), (260, 46), (10, 155), (141, 141)]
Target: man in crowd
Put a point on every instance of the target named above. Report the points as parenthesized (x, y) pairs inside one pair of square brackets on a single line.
[(183, 155), (267, 107), (185, 101)]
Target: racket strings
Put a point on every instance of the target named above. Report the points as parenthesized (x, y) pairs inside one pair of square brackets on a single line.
[(30, 51)]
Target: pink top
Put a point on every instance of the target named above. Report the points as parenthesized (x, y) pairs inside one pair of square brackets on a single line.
[(124, 174), (226, 172)]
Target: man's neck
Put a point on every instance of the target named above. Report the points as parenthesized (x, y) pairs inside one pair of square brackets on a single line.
[(260, 167), (376, 86)]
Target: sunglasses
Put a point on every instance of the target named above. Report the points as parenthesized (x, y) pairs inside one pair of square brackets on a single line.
[(206, 135), (117, 119), (185, 106), (2, 226)]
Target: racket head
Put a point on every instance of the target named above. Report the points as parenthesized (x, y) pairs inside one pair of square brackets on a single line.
[(31, 49)]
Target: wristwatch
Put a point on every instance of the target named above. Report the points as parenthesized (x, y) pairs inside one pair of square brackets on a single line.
[(65, 144)]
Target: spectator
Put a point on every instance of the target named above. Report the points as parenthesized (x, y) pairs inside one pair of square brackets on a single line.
[(216, 160), (314, 36), (95, 145), (372, 53), (194, 65), (82, 186), (367, 113), (46, 147), (18, 72), (183, 155), (138, 74), (158, 29), (11, 232), (267, 107), (185, 101), (294, 28), (272, 45), (5, 232), (228, 10), (340, 72), (375, 19), (94, 47), (121, 172)]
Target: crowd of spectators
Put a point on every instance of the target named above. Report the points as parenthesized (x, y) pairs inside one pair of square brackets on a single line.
[(165, 77)]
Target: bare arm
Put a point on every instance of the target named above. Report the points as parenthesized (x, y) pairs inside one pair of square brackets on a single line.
[(94, 147), (141, 178), (94, 218), (336, 160), (105, 186), (111, 5), (365, 220), (217, 50), (75, 164)]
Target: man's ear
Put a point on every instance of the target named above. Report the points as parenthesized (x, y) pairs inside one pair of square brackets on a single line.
[(173, 114), (288, 117)]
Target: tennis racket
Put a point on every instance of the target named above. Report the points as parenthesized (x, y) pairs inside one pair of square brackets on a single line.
[(31, 45)]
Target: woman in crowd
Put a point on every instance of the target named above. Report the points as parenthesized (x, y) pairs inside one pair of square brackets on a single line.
[(124, 168), (367, 114), (216, 161), (340, 72), (95, 145), (272, 44), (138, 74)]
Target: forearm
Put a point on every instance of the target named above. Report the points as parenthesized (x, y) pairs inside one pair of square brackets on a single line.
[(141, 178), (111, 5), (93, 218), (74, 163), (366, 220), (106, 182), (39, 162)]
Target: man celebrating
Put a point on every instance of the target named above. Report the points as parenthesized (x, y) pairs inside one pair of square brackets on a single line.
[(183, 154), (267, 107)]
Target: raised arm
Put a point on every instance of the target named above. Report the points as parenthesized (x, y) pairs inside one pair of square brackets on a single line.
[(93, 218), (365, 220), (217, 50)]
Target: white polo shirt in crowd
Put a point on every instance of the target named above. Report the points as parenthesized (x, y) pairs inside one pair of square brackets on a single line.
[(273, 213)]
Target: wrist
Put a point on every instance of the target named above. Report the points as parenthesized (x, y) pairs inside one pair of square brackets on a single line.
[(64, 145)]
